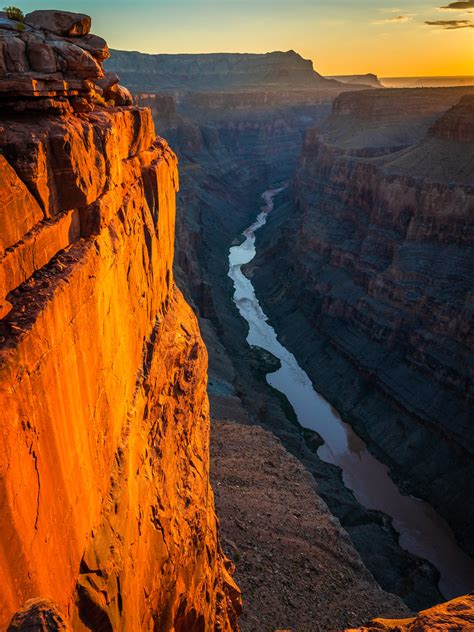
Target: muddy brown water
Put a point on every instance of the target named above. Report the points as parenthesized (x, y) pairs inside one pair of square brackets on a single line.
[(422, 531)]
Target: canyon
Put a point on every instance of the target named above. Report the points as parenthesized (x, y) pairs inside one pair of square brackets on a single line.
[(232, 144), (386, 279), (127, 383)]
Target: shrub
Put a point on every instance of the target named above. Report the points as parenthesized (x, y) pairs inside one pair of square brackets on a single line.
[(14, 13)]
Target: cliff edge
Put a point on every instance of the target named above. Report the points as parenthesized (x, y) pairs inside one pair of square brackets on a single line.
[(106, 510)]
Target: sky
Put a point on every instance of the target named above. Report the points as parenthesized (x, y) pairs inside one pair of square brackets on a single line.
[(401, 38)]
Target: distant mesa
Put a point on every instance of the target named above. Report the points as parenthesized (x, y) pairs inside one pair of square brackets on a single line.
[(368, 79)]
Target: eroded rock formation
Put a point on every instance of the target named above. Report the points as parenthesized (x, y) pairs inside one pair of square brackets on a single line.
[(105, 503)]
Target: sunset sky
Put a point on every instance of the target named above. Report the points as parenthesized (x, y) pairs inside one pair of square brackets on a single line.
[(340, 36)]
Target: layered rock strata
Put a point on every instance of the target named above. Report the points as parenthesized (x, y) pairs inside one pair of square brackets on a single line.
[(217, 72), (372, 257), (105, 503), (51, 61)]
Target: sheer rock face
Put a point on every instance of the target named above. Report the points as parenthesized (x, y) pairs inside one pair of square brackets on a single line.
[(106, 506)]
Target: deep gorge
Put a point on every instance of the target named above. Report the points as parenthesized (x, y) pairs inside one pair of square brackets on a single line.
[(270, 137)]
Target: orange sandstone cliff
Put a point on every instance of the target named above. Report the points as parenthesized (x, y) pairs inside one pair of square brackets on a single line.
[(106, 513)]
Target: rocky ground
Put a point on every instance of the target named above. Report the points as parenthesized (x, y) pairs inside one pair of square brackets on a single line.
[(296, 566)]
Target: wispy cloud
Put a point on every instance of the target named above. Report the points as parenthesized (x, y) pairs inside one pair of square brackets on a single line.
[(395, 20), (460, 6), (452, 24)]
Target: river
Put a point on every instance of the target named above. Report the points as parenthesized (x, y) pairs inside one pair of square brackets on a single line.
[(422, 531)]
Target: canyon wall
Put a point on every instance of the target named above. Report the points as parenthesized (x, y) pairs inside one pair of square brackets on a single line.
[(216, 72), (106, 508), (366, 270)]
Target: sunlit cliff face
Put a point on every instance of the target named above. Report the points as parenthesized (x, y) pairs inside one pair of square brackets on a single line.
[(106, 507)]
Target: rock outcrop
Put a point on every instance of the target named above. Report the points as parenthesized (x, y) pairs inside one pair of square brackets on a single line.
[(106, 512), (456, 615), (372, 257), (51, 61)]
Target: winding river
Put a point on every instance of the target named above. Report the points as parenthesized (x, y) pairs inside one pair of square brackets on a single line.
[(422, 531)]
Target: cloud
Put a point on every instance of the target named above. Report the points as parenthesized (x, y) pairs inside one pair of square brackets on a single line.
[(460, 6), (452, 24), (395, 20)]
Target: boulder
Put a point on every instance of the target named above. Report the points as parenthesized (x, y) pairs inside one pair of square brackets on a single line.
[(39, 615), (15, 55), (76, 60), (95, 45), (119, 94), (9, 25), (109, 79), (41, 56), (60, 22)]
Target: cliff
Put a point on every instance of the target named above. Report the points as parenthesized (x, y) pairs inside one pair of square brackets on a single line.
[(373, 255), (377, 122), (106, 505)]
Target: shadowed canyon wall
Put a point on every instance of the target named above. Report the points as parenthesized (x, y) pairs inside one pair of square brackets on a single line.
[(105, 502), (371, 257), (216, 72)]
